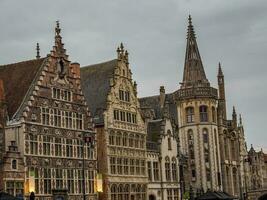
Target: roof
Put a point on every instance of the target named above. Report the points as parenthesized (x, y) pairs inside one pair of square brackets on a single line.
[(95, 82), (194, 73), (152, 104), (215, 195), (17, 79)]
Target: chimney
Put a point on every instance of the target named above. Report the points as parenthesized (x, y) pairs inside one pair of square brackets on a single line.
[(75, 69), (162, 96)]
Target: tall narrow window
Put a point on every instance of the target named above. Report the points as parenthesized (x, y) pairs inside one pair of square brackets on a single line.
[(203, 113), (113, 165), (156, 171), (14, 164), (47, 140), (189, 114), (169, 143), (119, 166), (125, 166), (33, 145), (45, 116), (149, 170), (167, 169), (70, 180), (213, 114), (47, 180), (132, 166), (57, 117), (69, 148), (113, 191), (58, 147), (174, 169)]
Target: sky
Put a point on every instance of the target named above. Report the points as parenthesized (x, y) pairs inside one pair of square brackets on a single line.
[(154, 32)]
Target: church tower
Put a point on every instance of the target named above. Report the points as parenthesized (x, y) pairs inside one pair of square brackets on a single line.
[(197, 117)]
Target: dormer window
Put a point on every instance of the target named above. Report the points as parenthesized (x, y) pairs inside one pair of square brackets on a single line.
[(14, 164)]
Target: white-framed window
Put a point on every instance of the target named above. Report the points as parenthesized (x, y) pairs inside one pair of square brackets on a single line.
[(167, 168), (47, 180), (112, 161), (156, 171), (58, 147), (47, 140), (70, 180), (61, 94), (45, 116)]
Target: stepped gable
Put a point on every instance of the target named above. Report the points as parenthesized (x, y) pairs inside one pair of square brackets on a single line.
[(17, 79), (95, 82)]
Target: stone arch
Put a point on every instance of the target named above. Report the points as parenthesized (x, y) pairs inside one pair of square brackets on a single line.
[(151, 197)]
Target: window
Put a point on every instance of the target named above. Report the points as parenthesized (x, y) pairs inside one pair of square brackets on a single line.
[(122, 116), (59, 178), (143, 167), (69, 148), (233, 153), (136, 144), (79, 148), (112, 165), (203, 112), (57, 117), (45, 116), (193, 173), (67, 120), (119, 166), (111, 138), (70, 180), (167, 169), (47, 140), (127, 96), (169, 194), (190, 114), (79, 121), (131, 140), (169, 143), (174, 170), (175, 194), (60, 94), (116, 115), (124, 95), (80, 181), (124, 139), (132, 166), (156, 171), (125, 166), (149, 170), (14, 164), (137, 166), (47, 181), (118, 139), (213, 115), (91, 181), (121, 95), (33, 145), (113, 192), (58, 147)]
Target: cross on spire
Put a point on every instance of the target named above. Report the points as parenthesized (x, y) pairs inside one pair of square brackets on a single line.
[(194, 74)]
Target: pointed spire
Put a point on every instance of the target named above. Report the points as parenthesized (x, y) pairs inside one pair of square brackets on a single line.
[(234, 112), (37, 51), (220, 72), (194, 74)]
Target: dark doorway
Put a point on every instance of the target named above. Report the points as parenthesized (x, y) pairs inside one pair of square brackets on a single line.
[(263, 197), (132, 197), (152, 197)]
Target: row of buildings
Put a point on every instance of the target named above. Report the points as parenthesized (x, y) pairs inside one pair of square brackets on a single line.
[(65, 129)]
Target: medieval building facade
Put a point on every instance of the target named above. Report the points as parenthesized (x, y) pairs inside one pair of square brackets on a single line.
[(121, 133), (44, 130)]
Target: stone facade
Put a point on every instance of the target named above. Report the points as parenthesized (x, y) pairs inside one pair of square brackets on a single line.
[(49, 126), (121, 131)]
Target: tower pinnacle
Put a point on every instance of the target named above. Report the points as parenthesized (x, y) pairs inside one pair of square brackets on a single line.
[(194, 74), (37, 51)]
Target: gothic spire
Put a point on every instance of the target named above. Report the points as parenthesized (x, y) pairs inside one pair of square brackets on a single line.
[(194, 74), (37, 51), (220, 72)]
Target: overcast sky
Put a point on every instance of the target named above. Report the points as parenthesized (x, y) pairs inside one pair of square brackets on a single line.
[(233, 32)]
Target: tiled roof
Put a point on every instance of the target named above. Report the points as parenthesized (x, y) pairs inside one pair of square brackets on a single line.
[(95, 81), (17, 79)]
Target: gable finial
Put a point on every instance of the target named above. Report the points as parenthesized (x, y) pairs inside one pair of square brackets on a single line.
[(37, 51), (57, 29)]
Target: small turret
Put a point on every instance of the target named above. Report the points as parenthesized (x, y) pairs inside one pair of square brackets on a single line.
[(122, 54), (234, 118), (222, 100), (162, 96)]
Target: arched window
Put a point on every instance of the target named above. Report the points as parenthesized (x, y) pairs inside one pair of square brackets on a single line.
[(233, 149), (213, 114), (111, 138), (136, 144), (167, 168), (203, 113), (131, 140), (126, 191), (189, 114), (174, 169), (120, 192), (14, 164), (113, 192), (118, 139), (124, 139)]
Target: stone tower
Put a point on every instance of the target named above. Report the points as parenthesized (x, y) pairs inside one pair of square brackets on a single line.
[(197, 117)]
